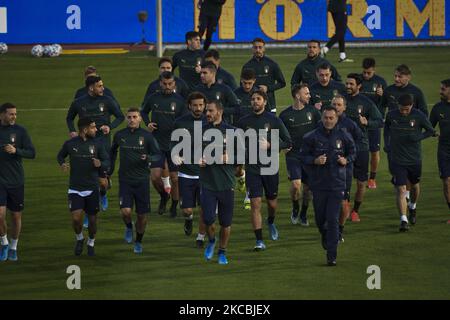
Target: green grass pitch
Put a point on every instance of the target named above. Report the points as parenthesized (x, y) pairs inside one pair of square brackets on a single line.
[(414, 265)]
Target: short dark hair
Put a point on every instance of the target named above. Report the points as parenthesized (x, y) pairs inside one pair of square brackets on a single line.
[(340, 96), (6, 106), (261, 93), (315, 41), (196, 95), (357, 77), (446, 83), (212, 53), (329, 108), (324, 66), (297, 87), (90, 70), (92, 80), (217, 103), (248, 74), (84, 123), (368, 63), (403, 69), (166, 75), (191, 35), (258, 40), (406, 100), (133, 109), (165, 59), (209, 65)]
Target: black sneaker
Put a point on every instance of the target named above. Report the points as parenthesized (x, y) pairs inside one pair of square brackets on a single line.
[(79, 247), (404, 226), (162, 203), (91, 251), (188, 227), (200, 243), (412, 216), (331, 263), (324, 241)]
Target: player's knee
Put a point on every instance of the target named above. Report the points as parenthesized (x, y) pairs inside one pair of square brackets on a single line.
[(126, 212), (296, 184), (103, 183)]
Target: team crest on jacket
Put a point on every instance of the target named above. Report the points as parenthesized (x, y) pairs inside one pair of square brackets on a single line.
[(266, 69), (91, 149), (360, 109), (267, 126), (218, 95), (101, 106), (335, 92), (12, 137), (412, 123), (338, 143), (374, 87), (220, 81), (309, 116), (173, 106), (141, 141)]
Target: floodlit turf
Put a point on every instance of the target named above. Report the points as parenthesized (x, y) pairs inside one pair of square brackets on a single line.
[(414, 265)]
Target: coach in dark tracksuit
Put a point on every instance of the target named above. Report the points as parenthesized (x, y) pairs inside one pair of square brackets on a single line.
[(325, 153), (210, 11), (338, 10)]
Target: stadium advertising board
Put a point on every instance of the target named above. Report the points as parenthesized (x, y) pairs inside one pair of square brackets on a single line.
[(101, 21)]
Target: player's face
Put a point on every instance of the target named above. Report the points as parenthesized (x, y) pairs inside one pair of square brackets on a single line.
[(313, 49), (329, 119), (338, 103), (258, 49), (165, 66), (197, 107), (212, 113), (247, 85), (91, 130), (405, 110), (351, 87), (258, 103), (168, 85), (401, 80), (194, 43), (98, 88), (368, 73), (211, 59), (445, 93), (133, 119), (324, 76), (9, 116), (207, 76), (303, 96)]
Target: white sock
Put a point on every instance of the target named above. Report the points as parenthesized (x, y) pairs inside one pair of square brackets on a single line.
[(190, 217), (407, 194), (325, 49), (166, 182), (404, 218), (79, 236), (342, 55), (4, 240), (201, 237), (90, 242), (412, 206), (14, 244)]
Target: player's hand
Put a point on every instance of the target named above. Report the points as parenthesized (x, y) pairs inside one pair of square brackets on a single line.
[(97, 163), (321, 160), (198, 68), (65, 167), (436, 134), (263, 88), (177, 160), (379, 90), (363, 120), (342, 160), (286, 150), (73, 134), (202, 162), (318, 105), (264, 144), (9, 148), (105, 129), (152, 126)]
